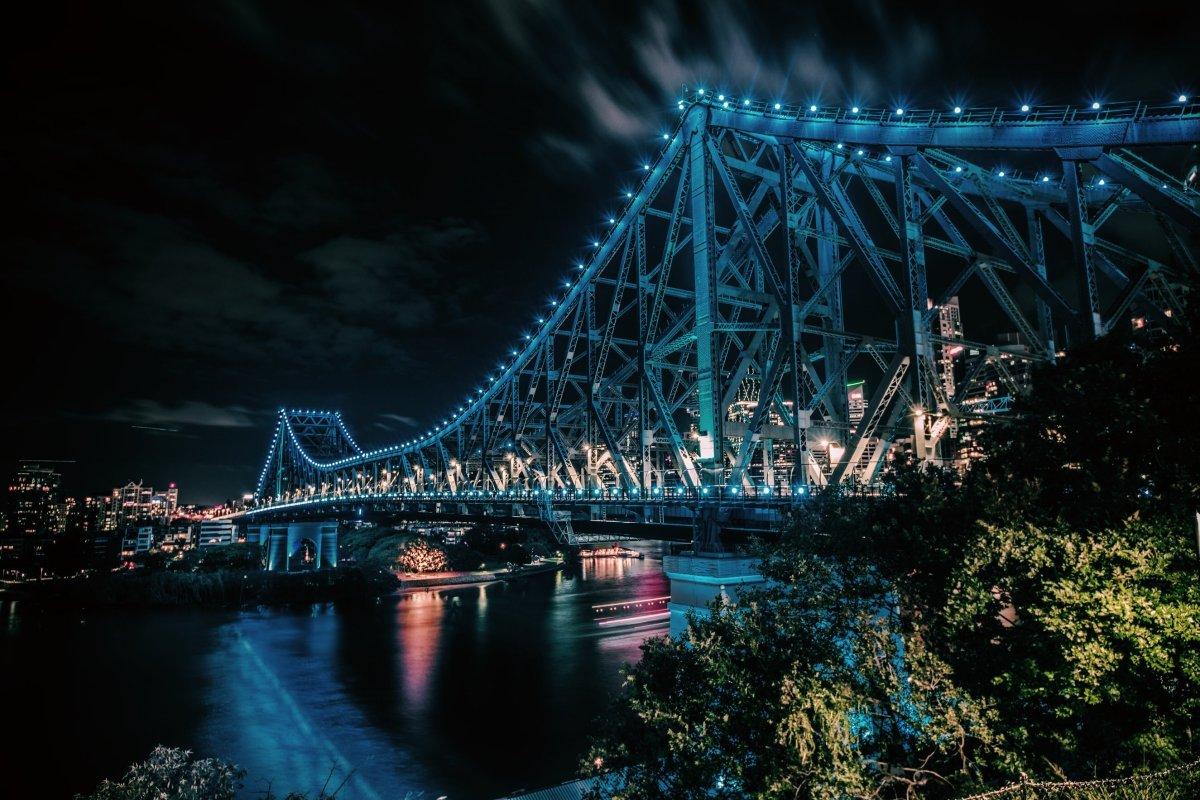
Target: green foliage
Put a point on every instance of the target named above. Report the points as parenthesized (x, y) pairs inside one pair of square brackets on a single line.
[(1088, 643), (808, 688), (1040, 615)]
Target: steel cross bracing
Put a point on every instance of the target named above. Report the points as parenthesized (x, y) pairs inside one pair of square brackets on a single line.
[(772, 254)]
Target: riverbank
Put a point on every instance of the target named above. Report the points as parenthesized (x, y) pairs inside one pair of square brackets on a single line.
[(169, 588), (429, 580)]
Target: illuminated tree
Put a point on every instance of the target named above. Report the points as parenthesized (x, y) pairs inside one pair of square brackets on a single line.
[(419, 555)]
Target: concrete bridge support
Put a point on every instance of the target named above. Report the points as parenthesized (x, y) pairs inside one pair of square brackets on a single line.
[(283, 542), (699, 578)]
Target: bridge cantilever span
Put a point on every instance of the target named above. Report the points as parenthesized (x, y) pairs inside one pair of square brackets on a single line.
[(704, 346)]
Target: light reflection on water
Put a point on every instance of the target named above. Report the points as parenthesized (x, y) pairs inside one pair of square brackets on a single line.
[(468, 692)]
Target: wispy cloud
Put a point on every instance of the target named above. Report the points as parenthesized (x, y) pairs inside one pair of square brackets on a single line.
[(152, 415)]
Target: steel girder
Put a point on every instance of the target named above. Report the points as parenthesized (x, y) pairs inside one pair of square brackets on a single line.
[(707, 342)]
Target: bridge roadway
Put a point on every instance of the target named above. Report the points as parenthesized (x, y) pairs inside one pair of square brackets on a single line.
[(656, 517)]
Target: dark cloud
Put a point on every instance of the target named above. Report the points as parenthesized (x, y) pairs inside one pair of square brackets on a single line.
[(150, 413)]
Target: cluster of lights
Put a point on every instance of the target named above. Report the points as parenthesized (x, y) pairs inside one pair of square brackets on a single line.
[(578, 493), (898, 111)]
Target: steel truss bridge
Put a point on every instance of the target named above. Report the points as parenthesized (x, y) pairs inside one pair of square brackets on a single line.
[(770, 253)]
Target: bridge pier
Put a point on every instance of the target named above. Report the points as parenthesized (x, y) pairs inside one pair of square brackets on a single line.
[(699, 578), (283, 541)]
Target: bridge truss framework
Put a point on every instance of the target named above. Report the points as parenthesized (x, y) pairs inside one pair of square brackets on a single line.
[(772, 252)]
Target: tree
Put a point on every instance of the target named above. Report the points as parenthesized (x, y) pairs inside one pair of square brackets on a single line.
[(808, 688), (173, 774), (1040, 615), (1087, 643), (419, 555)]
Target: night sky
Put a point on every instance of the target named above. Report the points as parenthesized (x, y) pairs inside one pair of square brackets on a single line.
[(220, 208)]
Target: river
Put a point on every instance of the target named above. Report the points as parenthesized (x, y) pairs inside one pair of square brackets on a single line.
[(469, 692)]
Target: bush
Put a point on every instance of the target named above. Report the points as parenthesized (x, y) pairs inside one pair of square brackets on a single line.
[(461, 558)]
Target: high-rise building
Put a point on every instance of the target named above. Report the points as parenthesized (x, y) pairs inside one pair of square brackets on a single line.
[(35, 504), (856, 400), (134, 503), (950, 327)]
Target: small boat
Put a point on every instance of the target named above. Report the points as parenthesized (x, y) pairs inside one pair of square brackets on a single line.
[(610, 551)]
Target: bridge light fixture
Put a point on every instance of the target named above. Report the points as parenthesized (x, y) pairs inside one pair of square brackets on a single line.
[(746, 102), (666, 137), (1024, 106), (861, 152), (1001, 173), (595, 244), (899, 112), (958, 169), (700, 91), (812, 107), (1095, 105), (778, 106), (681, 104), (611, 221), (628, 195), (1183, 98), (1102, 181), (887, 158), (725, 104), (854, 110), (958, 109), (645, 167), (1045, 179), (720, 97), (839, 145)]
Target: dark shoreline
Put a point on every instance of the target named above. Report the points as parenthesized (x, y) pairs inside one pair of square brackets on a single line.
[(217, 589)]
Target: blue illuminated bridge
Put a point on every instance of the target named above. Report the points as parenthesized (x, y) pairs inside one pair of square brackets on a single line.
[(771, 255)]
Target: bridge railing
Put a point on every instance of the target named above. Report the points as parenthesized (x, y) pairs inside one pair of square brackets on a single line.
[(1133, 111), (661, 496)]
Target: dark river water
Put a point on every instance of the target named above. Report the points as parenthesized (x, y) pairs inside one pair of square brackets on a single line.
[(469, 693)]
